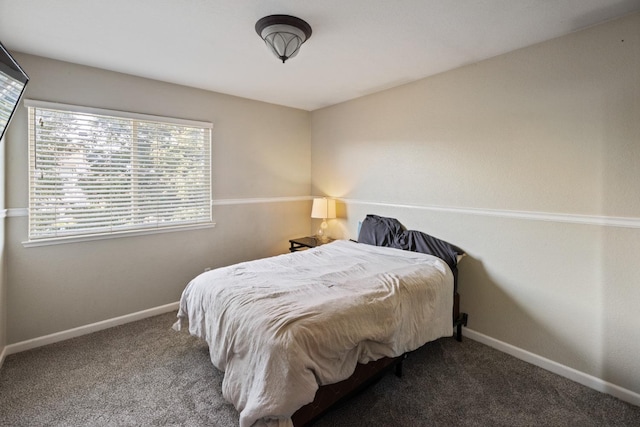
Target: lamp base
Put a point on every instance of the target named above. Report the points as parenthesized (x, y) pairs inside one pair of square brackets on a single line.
[(321, 235), (321, 238)]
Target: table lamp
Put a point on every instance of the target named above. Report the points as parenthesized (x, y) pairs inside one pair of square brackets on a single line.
[(326, 209)]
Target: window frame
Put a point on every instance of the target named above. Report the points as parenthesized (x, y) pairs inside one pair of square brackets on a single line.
[(138, 229)]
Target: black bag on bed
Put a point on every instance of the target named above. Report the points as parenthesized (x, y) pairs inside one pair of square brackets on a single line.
[(381, 231)]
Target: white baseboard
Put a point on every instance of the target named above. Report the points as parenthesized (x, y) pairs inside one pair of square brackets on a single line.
[(86, 329), (555, 367)]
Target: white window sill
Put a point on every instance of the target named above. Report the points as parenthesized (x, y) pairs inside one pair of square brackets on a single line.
[(90, 237)]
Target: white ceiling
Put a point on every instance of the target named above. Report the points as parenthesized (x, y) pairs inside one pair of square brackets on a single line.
[(357, 47)]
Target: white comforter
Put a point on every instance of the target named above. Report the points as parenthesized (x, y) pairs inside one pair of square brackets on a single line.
[(280, 326)]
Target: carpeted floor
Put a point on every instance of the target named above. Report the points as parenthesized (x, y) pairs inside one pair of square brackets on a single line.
[(144, 373)]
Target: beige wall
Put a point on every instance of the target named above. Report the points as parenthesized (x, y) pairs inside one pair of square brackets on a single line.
[(261, 154), (519, 159), (3, 298)]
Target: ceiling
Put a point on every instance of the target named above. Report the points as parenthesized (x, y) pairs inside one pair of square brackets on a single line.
[(357, 47)]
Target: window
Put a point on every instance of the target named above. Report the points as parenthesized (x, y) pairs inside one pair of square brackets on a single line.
[(100, 172)]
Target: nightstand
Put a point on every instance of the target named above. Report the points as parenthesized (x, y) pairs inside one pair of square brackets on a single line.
[(301, 243)]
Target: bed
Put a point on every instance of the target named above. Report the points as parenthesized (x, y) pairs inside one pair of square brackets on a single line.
[(294, 333)]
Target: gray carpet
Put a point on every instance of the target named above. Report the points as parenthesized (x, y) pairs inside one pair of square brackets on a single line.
[(144, 373)]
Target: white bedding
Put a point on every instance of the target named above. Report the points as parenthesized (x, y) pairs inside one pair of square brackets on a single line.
[(280, 326)]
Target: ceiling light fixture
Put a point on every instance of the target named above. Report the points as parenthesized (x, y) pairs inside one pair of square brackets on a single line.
[(283, 34)]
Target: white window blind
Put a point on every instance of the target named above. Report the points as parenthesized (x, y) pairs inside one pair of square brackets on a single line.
[(102, 172)]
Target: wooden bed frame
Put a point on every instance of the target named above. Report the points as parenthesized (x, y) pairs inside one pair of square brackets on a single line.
[(364, 375)]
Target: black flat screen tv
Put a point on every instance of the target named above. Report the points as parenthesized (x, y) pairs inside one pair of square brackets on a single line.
[(13, 81)]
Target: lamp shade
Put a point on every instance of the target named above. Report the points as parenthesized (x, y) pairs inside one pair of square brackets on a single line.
[(283, 34), (323, 208)]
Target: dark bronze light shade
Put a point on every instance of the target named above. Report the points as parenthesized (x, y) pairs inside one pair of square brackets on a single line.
[(283, 34)]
